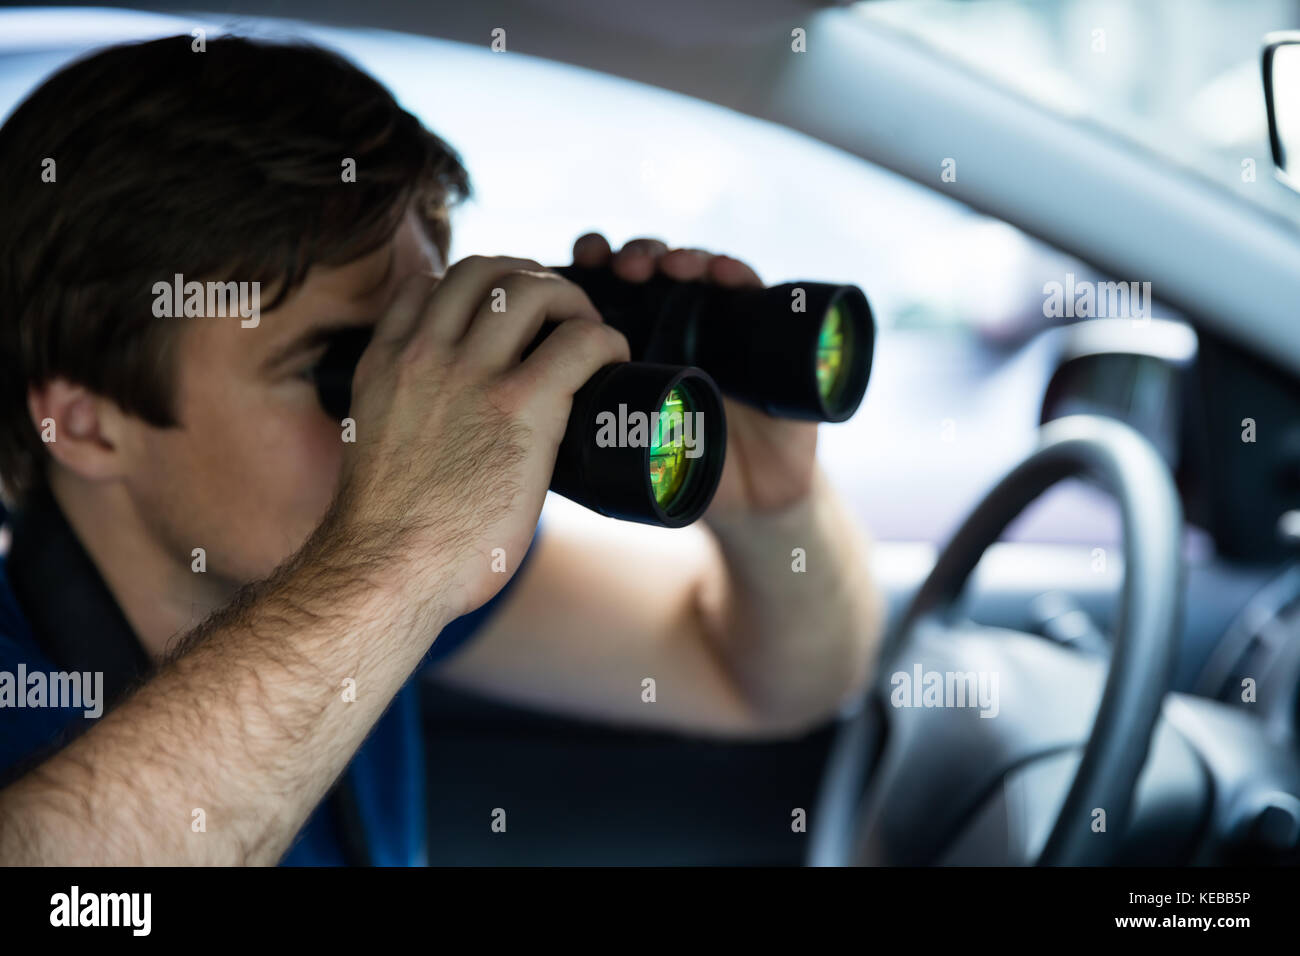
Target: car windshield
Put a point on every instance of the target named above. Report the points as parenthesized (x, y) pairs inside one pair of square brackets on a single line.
[(1181, 79)]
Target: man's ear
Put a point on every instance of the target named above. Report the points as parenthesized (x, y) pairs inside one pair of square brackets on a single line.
[(82, 431)]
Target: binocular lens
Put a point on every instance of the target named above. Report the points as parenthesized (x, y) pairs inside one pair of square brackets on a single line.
[(669, 465), (834, 342), (644, 442)]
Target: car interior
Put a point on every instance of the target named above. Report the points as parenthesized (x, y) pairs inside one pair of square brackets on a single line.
[(1078, 456)]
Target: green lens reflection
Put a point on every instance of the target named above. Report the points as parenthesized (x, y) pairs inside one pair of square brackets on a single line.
[(668, 462), (832, 355)]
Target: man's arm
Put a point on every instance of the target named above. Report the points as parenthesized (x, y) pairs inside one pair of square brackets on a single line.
[(249, 726), (737, 642), (740, 634), (456, 441)]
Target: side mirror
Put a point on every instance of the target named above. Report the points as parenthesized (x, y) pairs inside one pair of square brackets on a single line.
[(1282, 95)]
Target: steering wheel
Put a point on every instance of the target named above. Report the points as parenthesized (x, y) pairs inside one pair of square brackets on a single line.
[(933, 767)]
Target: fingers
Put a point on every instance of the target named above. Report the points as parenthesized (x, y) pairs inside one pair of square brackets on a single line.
[(509, 319), (404, 312), (485, 310), (727, 271), (569, 356), (690, 265), (591, 250), (636, 261), (639, 259), (686, 265), (466, 284), (490, 308)]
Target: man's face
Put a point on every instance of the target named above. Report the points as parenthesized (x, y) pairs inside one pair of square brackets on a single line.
[(256, 461)]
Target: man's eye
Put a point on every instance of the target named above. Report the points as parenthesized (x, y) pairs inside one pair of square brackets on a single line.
[(308, 367), (332, 373)]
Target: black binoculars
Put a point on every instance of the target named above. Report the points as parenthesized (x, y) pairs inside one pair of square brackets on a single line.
[(646, 439)]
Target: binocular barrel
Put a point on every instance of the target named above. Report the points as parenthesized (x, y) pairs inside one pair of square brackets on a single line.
[(798, 350), (644, 442), (646, 439)]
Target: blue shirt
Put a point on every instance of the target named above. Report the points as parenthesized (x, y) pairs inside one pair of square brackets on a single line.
[(57, 614)]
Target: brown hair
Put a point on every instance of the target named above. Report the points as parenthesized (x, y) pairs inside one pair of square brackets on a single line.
[(222, 164)]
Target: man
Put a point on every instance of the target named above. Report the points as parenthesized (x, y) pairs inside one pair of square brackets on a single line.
[(257, 587)]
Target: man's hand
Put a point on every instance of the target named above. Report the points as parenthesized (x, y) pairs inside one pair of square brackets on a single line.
[(770, 461), (739, 637), (456, 438)]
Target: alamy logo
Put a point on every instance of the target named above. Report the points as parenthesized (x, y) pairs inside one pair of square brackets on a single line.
[(1096, 300), (922, 688), (102, 909), (60, 689), (181, 299), (637, 430)]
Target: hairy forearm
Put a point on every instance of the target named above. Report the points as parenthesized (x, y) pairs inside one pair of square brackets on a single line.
[(248, 725), (800, 616)]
